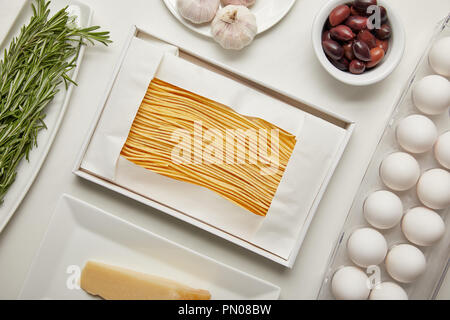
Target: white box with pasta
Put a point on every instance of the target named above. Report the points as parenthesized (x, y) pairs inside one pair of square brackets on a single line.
[(320, 140)]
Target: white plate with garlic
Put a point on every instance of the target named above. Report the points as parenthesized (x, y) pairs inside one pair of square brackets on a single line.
[(229, 22)]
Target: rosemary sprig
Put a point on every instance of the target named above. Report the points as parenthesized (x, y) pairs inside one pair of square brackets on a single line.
[(37, 62)]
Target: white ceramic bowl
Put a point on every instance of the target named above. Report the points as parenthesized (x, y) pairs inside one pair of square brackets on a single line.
[(382, 70)]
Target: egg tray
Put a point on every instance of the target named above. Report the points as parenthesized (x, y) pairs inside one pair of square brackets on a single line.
[(428, 284)]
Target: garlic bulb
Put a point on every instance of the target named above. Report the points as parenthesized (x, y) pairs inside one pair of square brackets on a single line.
[(198, 11), (234, 27), (246, 3)]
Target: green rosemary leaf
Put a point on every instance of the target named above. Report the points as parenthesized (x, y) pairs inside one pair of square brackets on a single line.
[(36, 63)]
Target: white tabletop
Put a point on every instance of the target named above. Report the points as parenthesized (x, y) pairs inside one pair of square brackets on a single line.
[(282, 57)]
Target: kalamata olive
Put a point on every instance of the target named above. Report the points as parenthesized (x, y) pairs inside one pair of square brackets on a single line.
[(384, 32), (362, 5), (376, 55), (383, 14), (356, 23), (348, 51), (326, 35), (361, 50), (341, 64), (383, 44), (367, 37), (357, 66), (339, 14), (342, 33), (333, 49)]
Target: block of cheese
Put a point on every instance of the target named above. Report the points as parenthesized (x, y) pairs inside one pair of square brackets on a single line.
[(116, 283)]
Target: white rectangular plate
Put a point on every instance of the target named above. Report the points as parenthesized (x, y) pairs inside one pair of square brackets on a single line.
[(79, 232), (27, 171), (205, 221)]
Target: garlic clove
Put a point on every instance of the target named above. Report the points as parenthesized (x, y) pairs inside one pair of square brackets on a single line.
[(247, 3), (198, 11), (234, 27)]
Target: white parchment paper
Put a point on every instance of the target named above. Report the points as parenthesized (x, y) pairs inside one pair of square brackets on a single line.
[(317, 143)]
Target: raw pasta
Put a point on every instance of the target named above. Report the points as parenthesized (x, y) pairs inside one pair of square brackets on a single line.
[(241, 158)]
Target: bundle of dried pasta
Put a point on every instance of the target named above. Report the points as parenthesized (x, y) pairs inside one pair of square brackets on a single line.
[(184, 136)]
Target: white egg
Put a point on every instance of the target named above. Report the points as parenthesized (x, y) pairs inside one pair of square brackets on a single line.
[(383, 209), (439, 57), (405, 263), (388, 291), (416, 133), (423, 226), (431, 95), (366, 247), (433, 189), (442, 150), (399, 171), (350, 283)]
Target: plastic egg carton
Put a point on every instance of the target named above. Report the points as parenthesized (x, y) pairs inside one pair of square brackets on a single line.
[(437, 256)]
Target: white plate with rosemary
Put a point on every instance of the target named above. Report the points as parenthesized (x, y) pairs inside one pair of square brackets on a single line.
[(79, 232), (268, 13), (29, 116)]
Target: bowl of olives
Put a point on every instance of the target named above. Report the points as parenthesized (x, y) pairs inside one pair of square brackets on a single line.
[(359, 42)]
